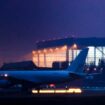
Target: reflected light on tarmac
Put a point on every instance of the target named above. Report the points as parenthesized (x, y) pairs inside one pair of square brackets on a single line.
[(46, 91), (34, 91), (71, 90), (60, 91)]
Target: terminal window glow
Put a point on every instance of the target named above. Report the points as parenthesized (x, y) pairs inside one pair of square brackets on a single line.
[(35, 59), (59, 54), (73, 54), (41, 60), (98, 54), (90, 56), (94, 57), (55, 56), (51, 55), (104, 52)]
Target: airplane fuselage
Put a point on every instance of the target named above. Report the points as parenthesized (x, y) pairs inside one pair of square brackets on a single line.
[(39, 77)]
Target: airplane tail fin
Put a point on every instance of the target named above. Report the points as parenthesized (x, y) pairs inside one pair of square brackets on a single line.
[(77, 65)]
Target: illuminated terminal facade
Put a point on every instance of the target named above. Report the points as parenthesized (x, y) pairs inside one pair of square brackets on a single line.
[(66, 49)]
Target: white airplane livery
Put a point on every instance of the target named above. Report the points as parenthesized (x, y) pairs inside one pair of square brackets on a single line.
[(34, 78)]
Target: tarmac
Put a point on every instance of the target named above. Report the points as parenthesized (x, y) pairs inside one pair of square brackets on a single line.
[(89, 97)]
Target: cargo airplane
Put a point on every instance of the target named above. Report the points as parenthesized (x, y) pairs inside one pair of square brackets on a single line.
[(35, 78)]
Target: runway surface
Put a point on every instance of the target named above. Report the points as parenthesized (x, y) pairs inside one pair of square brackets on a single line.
[(89, 97), (54, 100)]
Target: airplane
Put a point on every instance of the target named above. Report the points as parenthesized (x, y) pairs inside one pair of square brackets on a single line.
[(35, 78)]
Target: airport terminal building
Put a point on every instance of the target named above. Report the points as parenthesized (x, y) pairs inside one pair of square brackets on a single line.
[(49, 52), (56, 54)]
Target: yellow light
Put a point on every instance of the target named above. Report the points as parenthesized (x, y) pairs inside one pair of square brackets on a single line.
[(74, 90), (39, 51), (78, 91), (70, 91), (56, 48), (64, 47), (34, 91), (57, 91), (44, 50), (74, 46), (60, 91), (46, 91), (51, 50), (33, 52)]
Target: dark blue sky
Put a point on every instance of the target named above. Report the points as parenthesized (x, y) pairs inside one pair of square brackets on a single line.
[(23, 22)]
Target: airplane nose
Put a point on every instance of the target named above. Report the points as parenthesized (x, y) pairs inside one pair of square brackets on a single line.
[(3, 76)]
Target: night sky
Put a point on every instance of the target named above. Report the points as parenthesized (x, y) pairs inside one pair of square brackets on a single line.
[(23, 22)]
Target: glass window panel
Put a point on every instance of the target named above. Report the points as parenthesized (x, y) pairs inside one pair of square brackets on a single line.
[(73, 54), (98, 54), (90, 56), (70, 55), (56, 55), (104, 52), (41, 60)]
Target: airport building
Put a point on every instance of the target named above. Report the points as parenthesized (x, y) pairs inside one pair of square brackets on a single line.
[(58, 53), (50, 52)]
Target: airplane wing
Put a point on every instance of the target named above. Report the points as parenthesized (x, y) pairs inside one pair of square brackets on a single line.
[(93, 74)]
